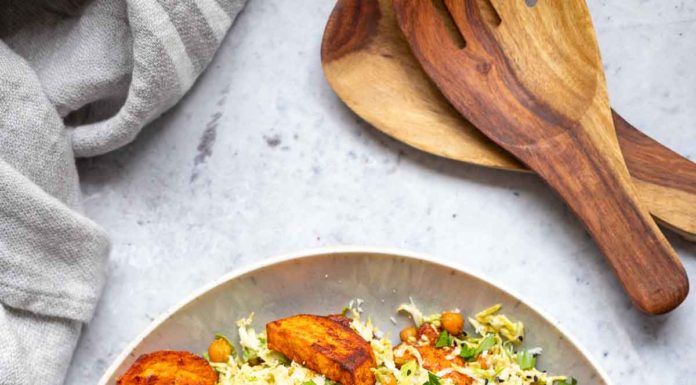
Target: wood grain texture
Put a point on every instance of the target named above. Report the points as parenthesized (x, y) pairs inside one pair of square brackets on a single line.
[(665, 180), (535, 85), (371, 68)]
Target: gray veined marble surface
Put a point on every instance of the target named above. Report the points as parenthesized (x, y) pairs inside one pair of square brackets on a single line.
[(261, 158)]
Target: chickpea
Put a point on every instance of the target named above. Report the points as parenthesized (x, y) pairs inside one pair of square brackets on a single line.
[(408, 334), (219, 350), (452, 322)]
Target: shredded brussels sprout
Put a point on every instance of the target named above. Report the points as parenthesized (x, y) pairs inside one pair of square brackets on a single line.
[(489, 355), (487, 321)]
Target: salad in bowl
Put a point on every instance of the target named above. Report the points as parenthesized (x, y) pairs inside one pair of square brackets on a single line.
[(348, 348)]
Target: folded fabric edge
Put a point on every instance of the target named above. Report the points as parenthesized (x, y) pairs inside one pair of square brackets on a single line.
[(46, 304), (52, 258), (172, 71)]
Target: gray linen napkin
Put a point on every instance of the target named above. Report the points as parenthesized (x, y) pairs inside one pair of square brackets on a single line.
[(77, 78)]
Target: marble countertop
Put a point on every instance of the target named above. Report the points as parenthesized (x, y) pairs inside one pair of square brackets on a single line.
[(261, 158)]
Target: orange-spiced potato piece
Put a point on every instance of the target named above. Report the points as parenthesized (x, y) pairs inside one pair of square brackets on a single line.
[(326, 345), (169, 367)]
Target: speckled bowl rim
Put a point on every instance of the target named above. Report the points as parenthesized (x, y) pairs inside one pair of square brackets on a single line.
[(328, 251)]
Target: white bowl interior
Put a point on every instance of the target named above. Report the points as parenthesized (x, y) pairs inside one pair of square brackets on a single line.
[(324, 283)]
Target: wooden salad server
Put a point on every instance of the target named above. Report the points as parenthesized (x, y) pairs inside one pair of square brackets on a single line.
[(369, 65), (531, 79)]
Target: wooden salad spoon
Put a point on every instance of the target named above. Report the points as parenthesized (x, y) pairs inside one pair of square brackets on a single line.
[(531, 79), (369, 65)]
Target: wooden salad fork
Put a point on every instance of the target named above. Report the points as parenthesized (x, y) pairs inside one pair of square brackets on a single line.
[(531, 79), (369, 65)]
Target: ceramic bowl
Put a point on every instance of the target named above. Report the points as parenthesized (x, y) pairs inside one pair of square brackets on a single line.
[(324, 281)]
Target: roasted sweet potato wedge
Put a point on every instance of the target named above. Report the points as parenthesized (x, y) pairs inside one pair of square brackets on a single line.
[(326, 345), (340, 318), (169, 367)]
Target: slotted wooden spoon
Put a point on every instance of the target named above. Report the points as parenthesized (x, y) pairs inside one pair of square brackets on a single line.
[(371, 68), (531, 79)]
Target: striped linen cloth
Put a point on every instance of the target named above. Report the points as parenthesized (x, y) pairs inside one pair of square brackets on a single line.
[(78, 78)]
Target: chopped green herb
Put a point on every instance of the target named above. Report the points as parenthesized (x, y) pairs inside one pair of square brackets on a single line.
[(469, 353), (206, 356), (310, 382), (526, 360), (432, 379), (567, 381), (444, 339)]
